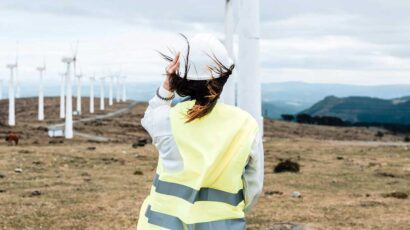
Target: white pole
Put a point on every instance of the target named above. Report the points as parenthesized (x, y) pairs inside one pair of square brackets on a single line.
[(92, 94), (249, 84), (12, 120), (110, 101), (78, 94), (69, 104), (62, 96), (124, 95), (118, 88), (228, 93), (40, 96), (102, 94)]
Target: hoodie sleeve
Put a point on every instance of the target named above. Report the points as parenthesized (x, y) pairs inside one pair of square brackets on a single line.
[(156, 121), (254, 174)]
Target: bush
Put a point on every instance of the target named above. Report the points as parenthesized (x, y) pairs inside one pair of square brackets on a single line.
[(379, 134), (288, 117), (304, 118)]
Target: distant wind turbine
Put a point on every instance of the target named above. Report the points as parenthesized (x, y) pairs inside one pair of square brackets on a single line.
[(41, 69), (68, 131), (117, 86), (12, 119), (110, 91), (79, 76), (102, 93), (92, 79), (62, 95), (124, 95)]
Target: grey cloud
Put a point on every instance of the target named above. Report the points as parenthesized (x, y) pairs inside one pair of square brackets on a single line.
[(380, 27)]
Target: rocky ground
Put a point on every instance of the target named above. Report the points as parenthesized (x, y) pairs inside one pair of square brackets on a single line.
[(349, 178)]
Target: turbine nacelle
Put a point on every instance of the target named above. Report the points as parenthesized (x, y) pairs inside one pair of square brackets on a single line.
[(41, 69), (11, 66), (67, 60)]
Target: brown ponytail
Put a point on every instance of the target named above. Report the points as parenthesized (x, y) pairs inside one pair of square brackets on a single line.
[(205, 92)]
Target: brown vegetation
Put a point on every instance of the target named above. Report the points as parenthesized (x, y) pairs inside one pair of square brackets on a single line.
[(345, 181)]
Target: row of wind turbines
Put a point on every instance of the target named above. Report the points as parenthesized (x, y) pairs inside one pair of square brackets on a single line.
[(66, 107)]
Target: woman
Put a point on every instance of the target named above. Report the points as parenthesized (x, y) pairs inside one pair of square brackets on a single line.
[(210, 167)]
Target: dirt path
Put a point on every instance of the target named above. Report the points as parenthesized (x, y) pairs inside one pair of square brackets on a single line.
[(91, 136), (99, 117)]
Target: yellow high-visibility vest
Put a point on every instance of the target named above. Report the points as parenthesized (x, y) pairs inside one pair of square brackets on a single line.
[(208, 192)]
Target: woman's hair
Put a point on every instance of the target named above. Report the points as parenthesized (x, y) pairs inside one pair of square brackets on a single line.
[(204, 92)]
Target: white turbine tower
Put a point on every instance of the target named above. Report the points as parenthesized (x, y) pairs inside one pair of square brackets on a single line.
[(79, 76), (62, 95), (41, 69), (124, 95), (228, 94), (92, 79), (117, 87), (12, 119), (102, 107), (110, 92), (249, 84), (68, 131)]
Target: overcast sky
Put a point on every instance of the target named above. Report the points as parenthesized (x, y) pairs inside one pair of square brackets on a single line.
[(345, 41)]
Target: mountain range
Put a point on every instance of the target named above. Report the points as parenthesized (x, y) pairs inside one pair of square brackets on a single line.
[(364, 109), (295, 97)]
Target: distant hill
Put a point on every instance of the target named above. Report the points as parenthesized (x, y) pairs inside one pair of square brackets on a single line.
[(293, 97), (364, 109)]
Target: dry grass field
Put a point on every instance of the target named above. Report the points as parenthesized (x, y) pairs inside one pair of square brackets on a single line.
[(346, 179)]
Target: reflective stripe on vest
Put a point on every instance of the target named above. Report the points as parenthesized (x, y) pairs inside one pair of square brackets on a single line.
[(174, 223), (191, 195)]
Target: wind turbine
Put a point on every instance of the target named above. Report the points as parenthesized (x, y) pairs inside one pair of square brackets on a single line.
[(79, 76), (102, 93), (110, 91), (248, 60), (68, 131), (62, 95), (12, 119), (41, 69), (228, 94), (124, 96), (117, 86), (92, 79)]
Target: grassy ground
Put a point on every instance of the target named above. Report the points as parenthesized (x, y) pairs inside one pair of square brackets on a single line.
[(103, 189), (84, 185)]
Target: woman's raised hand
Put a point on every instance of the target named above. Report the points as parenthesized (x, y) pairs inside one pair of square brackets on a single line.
[(171, 69)]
